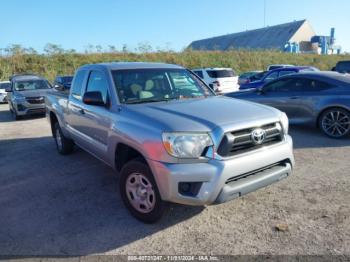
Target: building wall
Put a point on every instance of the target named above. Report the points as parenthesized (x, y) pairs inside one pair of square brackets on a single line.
[(304, 35)]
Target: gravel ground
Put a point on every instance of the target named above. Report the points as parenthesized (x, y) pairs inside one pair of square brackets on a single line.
[(55, 205)]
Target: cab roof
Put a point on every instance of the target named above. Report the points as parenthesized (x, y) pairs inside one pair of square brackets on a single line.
[(132, 65), (24, 77)]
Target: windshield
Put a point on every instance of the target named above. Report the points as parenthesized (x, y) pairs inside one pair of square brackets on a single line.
[(258, 76), (220, 73), (153, 85), (26, 85)]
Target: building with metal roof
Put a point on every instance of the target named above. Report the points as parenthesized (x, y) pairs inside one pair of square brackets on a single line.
[(291, 37)]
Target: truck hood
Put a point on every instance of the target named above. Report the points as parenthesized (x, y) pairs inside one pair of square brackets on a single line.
[(202, 115)]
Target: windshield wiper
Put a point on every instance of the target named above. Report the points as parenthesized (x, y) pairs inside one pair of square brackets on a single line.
[(148, 101)]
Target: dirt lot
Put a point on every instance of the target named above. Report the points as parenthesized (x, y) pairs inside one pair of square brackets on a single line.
[(55, 205)]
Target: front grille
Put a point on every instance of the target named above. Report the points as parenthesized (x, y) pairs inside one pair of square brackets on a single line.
[(239, 142), (35, 100), (36, 111)]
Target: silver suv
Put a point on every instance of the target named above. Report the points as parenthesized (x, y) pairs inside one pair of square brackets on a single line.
[(26, 95), (169, 137)]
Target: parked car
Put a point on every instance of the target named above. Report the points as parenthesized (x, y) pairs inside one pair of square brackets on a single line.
[(221, 80), (276, 73), (342, 67), (62, 83), (246, 77), (26, 95), (3, 94), (158, 126), (319, 99), (273, 67)]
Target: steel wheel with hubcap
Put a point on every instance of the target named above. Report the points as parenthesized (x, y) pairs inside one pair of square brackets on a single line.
[(140, 193), (63, 144), (335, 122)]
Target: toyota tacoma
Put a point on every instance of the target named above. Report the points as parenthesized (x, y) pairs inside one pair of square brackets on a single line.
[(168, 136)]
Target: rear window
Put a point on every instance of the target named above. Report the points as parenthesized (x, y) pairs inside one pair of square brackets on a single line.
[(284, 73), (274, 67), (4, 85), (220, 73), (78, 84)]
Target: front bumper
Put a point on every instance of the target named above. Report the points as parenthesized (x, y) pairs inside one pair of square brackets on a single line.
[(225, 180), (25, 108)]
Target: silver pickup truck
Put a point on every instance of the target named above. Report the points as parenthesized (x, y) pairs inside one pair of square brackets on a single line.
[(168, 136)]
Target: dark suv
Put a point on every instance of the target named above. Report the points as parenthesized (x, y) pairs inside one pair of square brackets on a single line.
[(342, 67), (63, 83)]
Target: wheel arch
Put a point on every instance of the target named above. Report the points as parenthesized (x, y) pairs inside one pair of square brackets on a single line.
[(53, 121), (124, 153), (327, 108)]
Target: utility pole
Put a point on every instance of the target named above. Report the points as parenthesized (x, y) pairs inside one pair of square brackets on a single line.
[(264, 13)]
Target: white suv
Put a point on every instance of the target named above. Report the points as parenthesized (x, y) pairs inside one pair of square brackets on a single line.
[(222, 80), (3, 94)]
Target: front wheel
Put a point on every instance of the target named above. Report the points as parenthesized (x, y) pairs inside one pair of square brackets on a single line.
[(64, 145), (335, 122), (140, 193), (15, 115)]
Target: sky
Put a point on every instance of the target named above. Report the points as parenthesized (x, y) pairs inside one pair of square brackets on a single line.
[(74, 24)]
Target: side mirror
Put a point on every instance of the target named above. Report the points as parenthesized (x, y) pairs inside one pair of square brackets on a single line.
[(8, 89), (93, 98), (260, 91), (59, 87)]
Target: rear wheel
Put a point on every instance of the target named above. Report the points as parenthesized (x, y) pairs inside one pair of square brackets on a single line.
[(335, 122), (140, 193), (64, 145)]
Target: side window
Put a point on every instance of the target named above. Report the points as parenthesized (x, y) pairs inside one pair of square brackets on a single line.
[(284, 73), (271, 77), (277, 86), (98, 82), (78, 84), (312, 85), (199, 73), (283, 85)]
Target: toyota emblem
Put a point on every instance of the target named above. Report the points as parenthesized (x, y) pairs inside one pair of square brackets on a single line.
[(258, 136)]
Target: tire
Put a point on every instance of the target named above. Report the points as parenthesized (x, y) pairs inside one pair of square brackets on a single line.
[(14, 114), (335, 122), (139, 192), (64, 145)]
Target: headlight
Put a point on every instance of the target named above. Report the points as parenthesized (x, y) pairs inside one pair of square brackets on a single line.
[(186, 145), (284, 122)]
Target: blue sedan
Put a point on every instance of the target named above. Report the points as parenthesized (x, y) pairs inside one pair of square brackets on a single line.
[(319, 99), (274, 74)]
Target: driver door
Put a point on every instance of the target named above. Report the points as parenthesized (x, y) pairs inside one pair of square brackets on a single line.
[(279, 94), (96, 121)]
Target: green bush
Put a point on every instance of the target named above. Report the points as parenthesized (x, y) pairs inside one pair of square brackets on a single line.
[(67, 62)]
